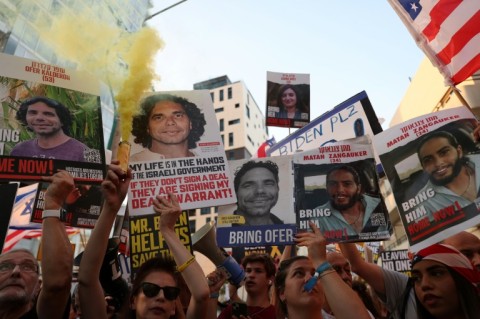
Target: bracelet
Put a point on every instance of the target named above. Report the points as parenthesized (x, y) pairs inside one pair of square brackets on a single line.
[(313, 280), (51, 213), (214, 295), (184, 266)]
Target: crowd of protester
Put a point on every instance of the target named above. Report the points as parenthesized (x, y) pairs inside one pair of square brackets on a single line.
[(443, 284)]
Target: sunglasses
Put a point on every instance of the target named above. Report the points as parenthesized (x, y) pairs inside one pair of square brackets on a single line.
[(151, 290)]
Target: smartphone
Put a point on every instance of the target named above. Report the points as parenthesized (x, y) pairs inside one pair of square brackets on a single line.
[(239, 309)]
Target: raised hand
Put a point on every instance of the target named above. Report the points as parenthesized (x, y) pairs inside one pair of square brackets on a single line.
[(168, 209), (61, 185), (115, 185)]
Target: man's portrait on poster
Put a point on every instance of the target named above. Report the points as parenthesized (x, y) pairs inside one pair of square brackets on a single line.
[(51, 123), (167, 126), (349, 208), (256, 184), (450, 173)]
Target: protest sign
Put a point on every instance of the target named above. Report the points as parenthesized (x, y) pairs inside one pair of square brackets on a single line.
[(177, 148), (432, 163), (396, 260), (288, 99), (51, 120), (351, 118), (146, 240), (81, 208), (264, 214), (7, 200), (336, 187)]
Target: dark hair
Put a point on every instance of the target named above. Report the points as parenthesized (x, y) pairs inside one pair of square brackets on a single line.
[(468, 297), (264, 259), (300, 105), (140, 121), (347, 168), (159, 263), (436, 134), (271, 166), (280, 278), (62, 112)]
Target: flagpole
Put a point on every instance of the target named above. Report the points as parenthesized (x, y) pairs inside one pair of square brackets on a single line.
[(460, 97)]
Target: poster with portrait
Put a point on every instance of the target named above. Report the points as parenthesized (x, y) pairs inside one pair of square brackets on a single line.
[(264, 212), (336, 187), (351, 118), (288, 99), (50, 119), (81, 208), (176, 147), (432, 164)]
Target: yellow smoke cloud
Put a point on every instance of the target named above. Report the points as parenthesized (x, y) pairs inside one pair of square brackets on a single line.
[(140, 77), (121, 59)]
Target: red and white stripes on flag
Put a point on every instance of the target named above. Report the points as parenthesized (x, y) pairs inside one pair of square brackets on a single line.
[(448, 31), (14, 235), (262, 150)]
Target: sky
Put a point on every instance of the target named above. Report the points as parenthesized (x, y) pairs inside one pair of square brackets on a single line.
[(346, 46)]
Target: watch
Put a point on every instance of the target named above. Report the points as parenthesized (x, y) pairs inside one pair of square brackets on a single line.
[(51, 213)]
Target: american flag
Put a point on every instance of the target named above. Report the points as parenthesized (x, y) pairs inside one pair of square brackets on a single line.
[(261, 152), (448, 31), (20, 226)]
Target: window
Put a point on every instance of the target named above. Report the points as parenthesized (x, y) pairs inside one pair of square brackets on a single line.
[(212, 95), (247, 111), (250, 139), (220, 109), (223, 139), (221, 95), (232, 122), (237, 105), (220, 124), (248, 98), (209, 219), (192, 224), (230, 139), (205, 211), (231, 155), (229, 93)]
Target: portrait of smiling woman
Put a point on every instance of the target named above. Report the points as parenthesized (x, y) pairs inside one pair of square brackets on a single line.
[(290, 102)]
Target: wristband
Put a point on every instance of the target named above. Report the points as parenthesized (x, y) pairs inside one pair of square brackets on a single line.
[(313, 280), (214, 295), (186, 264), (51, 213)]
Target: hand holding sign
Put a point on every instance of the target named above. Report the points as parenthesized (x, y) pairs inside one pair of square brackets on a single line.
[(168, 209)]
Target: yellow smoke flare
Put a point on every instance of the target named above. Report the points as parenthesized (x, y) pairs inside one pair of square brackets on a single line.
[(140, 76), (121, 59)]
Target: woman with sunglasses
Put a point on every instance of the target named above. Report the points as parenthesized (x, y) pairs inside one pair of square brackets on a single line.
[(155, 289)]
